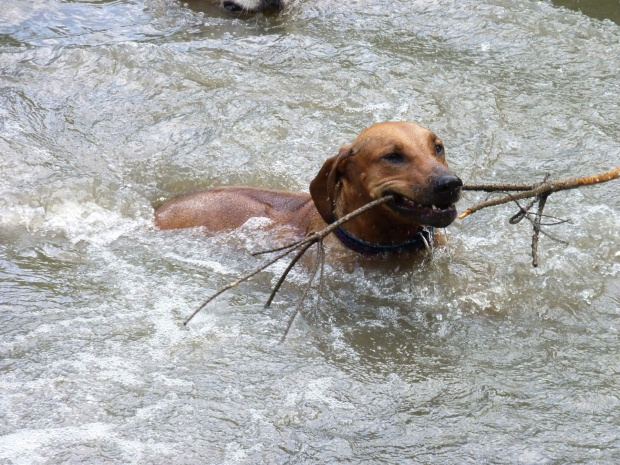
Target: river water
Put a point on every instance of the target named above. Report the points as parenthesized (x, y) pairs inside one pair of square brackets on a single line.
[(110, 107)]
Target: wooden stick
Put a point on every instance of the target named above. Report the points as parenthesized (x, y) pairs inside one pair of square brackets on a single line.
[(522, 213), (546, 188), (238, 281), (304, 243), (321, 252), (541, 205), (291, 320), (290, 266), (277, 249), (319, 235), (498, 187)]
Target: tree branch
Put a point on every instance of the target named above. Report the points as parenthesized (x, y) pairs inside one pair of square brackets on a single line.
[(540, 193), (541, 205), (545, 188), (303, 245)]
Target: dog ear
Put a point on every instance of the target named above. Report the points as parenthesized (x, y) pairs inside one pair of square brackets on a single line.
[(323, 186)]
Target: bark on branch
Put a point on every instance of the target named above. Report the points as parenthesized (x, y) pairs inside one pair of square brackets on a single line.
[(535, 191)]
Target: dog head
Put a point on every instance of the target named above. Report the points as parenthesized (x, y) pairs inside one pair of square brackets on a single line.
[(395, 158)]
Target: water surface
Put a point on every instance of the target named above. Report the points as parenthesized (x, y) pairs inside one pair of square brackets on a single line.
[(110, 107)]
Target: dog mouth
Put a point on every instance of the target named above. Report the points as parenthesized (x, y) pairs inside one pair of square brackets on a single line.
[(438, 215)]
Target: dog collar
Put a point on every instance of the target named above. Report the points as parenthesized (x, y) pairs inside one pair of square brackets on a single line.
[(357, 245)]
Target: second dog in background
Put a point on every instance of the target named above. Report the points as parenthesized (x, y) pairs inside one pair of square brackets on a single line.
[(251, 6)]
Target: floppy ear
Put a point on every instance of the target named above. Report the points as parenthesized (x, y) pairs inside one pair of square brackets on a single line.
[(323, 186)]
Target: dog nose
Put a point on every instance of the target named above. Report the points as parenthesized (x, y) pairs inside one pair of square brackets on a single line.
[(448, 184)]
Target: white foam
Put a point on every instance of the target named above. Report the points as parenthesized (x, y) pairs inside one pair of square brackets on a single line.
[(317, 390), (22, 446)]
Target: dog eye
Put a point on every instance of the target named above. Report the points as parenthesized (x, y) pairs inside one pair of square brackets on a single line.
[(438, 149), (394, 158)]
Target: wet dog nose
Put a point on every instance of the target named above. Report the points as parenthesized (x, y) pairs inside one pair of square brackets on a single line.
[(448, 184)]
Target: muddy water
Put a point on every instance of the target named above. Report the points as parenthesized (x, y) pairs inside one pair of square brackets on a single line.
[(110, 107)]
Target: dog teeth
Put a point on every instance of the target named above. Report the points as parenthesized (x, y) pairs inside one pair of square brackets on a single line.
[(415, 204)]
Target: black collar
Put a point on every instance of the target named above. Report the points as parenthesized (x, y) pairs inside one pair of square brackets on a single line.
[(351, 242)]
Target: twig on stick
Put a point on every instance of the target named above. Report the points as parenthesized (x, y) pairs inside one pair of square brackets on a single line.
[(238, 281), (541, 204), (321, 275), (529, 216), (523, 212), (318, 264), (290, 266)]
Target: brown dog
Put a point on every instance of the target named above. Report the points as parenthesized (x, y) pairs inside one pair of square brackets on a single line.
[(397, 158)]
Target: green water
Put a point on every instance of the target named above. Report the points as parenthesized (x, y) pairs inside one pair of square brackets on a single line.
[(598, 9)]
